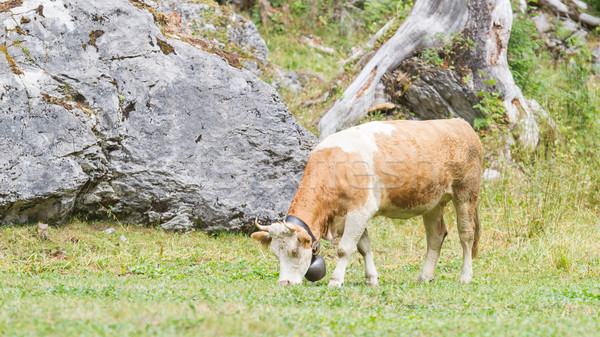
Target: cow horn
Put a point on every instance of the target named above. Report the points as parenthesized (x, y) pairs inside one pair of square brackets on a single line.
[(262, 228), (289, 226)]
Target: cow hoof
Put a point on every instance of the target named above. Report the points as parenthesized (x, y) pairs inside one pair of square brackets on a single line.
[(335, 283), (424, 280), (465, 279), (372, 282)]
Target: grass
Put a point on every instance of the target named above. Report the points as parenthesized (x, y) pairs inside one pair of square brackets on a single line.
[(85, 282)]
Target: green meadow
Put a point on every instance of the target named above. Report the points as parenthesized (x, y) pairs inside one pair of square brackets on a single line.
[(538, 272)]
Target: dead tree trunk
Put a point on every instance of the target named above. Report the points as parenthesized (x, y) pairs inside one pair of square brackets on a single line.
[(487, 22)]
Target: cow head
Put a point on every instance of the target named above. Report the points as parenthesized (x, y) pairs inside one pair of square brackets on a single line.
[(292, 247)]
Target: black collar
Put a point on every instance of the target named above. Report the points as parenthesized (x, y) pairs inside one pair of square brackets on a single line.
[(296, 221)]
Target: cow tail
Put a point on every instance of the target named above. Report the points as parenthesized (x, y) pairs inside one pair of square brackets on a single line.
[(476, 234)]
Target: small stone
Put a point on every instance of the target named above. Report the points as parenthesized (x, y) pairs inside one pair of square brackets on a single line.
[(123, 238), (42, 231), (289, 80), (210, 27), (109, 230), (181, 222), (542, 23), (253, 67), (580, 4), (570, 25), (491, 176), (596, 54)]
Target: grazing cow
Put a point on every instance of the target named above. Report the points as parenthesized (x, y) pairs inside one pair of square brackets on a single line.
[(398, 169)]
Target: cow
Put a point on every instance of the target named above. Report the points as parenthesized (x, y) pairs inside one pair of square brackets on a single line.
[(398, 169)]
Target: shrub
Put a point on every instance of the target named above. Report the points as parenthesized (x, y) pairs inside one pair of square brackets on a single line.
[(522, 60)]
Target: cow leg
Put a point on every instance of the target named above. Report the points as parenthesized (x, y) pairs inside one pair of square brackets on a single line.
[(465, 211), (436, 233), (356, 223), (364, 248)]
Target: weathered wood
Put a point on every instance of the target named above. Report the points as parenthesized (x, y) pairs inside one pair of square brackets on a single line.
[(495, 65), (488, 23), (427, 19)]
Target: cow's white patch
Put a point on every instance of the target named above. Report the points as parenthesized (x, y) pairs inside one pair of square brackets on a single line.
[(283, 241), (355, 225), (361, 140)]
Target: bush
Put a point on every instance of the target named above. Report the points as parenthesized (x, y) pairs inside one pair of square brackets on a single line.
[(522, 60)]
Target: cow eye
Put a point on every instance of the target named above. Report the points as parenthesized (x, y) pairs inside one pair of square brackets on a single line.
[(295, 252)]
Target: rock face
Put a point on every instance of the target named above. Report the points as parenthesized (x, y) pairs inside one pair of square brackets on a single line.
[(432, 92), (101, 114), (222, 28)]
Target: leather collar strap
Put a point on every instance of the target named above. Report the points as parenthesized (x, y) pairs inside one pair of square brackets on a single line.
[(296, 221)]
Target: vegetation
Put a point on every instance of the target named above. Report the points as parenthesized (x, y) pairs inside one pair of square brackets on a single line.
[(490, 105), (338, 24), (538, 271), (522, 47), (83, 282)]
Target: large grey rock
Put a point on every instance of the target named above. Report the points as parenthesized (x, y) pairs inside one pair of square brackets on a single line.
[(432, 92), (101, 114)]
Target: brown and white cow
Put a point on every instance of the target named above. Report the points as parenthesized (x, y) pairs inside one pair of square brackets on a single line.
[(398, 169)]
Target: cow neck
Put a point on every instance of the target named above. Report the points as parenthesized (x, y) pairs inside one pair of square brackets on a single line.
[(312, 207), (297, 221), (312, 221)]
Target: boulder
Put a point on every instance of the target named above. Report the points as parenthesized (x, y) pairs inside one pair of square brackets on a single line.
[(103, 115), (573, 27), (289, 80), (432, 92), (543, 22)]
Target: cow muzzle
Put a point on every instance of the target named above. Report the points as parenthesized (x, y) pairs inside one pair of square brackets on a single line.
[(317, 269)]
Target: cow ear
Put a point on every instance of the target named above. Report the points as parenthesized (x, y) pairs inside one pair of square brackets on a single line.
[(304, 239), (263, 237)]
